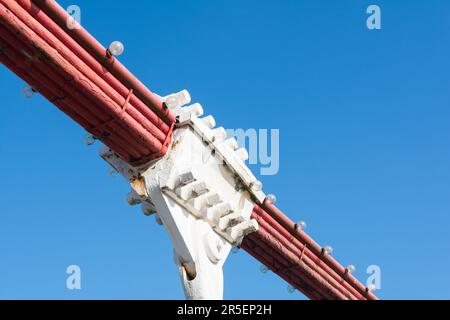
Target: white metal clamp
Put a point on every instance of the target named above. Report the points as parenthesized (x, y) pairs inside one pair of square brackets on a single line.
[(201, 191)]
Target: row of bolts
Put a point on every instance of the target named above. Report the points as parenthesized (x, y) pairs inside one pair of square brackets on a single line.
[(116, 48)]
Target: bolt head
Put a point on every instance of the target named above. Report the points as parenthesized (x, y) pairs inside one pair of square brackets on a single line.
[(113, 172), (158, 220), (257, 186), (89, 139)]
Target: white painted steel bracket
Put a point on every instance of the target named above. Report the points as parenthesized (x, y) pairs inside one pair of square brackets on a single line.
[(201, 191)]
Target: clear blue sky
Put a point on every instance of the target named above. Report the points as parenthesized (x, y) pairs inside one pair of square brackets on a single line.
[(365, 144)]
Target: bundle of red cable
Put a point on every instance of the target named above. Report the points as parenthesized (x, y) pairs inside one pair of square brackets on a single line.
[(77, 74), (289, 252)]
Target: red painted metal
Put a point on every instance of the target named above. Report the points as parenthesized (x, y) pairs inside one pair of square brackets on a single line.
[(314, 261), (92, 112), (89, 110), (60, 39), (271, 250), (300, 251), (111, 115), (252, 248), (44, 84), (300, 235), (60, 16), (285, 254), (87, 72)]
